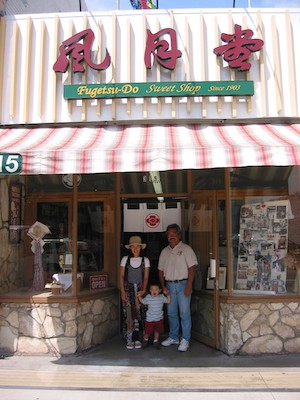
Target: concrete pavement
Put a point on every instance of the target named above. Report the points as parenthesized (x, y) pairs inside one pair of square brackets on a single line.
[(113, 372)]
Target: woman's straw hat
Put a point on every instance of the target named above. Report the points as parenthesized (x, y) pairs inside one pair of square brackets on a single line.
[(135, 240)]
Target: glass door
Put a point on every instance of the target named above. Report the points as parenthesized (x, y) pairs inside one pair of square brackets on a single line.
[(202, 220)]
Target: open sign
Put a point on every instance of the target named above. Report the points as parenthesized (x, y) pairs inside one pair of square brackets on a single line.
[(98, 282)]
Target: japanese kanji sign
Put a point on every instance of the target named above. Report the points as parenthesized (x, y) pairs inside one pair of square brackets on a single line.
[(239, 47), (160, 49), (79, 52)]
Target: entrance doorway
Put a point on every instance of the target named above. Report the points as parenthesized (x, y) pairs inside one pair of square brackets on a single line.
[(197, 217), (149, 218)]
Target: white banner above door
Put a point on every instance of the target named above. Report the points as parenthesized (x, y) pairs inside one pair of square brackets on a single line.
[(150, 217)]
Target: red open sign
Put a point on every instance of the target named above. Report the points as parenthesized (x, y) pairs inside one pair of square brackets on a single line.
[(98, 282)]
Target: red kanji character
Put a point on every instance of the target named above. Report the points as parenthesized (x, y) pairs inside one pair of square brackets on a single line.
[(160, 49), (79, 52), (239, 47)]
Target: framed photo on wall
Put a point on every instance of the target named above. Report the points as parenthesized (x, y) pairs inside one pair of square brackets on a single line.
[(15, 195)]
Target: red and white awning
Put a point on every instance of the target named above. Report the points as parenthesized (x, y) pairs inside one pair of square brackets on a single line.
[(151, 148)]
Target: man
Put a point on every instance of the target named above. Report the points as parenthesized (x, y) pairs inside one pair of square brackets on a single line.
[(177, 266)]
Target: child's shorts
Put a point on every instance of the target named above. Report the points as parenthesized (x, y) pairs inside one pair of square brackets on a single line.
[(154, 326)]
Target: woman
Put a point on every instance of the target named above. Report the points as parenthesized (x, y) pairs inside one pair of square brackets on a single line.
[(134, 275)]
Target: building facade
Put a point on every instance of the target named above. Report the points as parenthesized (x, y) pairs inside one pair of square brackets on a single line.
[(118, 123)]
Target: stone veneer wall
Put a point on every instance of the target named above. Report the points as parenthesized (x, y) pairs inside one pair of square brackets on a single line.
[(10, 259), (260, 328), (58, 328)]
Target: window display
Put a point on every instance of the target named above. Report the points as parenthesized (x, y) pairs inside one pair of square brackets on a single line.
[(263, 246)]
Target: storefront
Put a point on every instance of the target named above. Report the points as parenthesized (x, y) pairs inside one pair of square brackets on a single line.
[(119, 123)]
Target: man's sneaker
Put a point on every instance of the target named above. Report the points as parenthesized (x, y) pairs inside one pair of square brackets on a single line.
[(169, 342), (137, 344), (184, 345)]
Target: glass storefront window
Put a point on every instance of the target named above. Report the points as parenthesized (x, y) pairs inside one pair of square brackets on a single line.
[(265, 216), (208, 179), (58, 255), (46, 202), (90, 236), (154, 182), (11, 233), (264, 210), (55, 216), (64, 183), (97, 183)]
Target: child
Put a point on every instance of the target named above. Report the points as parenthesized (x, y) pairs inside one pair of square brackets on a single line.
[(155, 314)]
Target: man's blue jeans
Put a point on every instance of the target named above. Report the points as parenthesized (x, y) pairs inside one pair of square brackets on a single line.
[(181, 302)]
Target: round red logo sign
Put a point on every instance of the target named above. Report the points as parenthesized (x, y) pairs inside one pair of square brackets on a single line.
[(152, 220)]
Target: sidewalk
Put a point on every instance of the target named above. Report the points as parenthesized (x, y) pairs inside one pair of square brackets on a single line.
[(113, 372)]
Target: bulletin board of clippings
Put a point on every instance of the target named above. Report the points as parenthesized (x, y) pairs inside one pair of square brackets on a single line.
[(263, 242)]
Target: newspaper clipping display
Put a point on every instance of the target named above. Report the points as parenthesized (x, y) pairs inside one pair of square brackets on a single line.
[(263, 243)]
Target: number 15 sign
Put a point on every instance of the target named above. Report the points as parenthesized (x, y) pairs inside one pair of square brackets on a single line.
[(10, 164)]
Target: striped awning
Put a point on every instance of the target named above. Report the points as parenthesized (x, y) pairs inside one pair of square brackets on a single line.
[(60, 150)]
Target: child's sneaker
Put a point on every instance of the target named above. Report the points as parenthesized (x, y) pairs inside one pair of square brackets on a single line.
[(130, 345)]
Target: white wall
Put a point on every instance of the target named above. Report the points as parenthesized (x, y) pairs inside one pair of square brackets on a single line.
[(33, 93)]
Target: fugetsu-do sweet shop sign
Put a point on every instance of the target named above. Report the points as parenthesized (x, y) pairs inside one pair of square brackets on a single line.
[(161, 47)]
